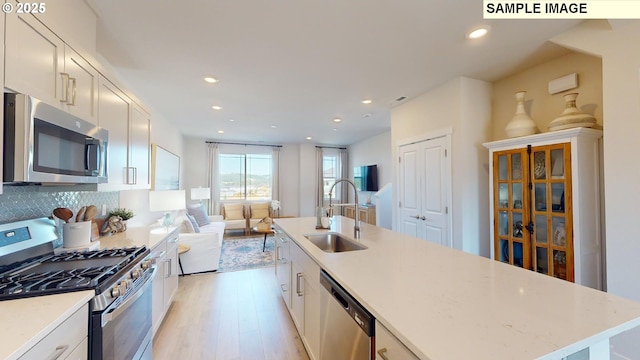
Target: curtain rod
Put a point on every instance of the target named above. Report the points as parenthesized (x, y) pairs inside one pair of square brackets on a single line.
[(330, 147), (230, 143)]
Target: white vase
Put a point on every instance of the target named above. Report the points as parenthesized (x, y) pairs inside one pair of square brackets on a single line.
[(571, 117), (521, 124)]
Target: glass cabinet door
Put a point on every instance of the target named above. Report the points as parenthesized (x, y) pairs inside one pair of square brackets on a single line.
[(512, 242), (552, 243)]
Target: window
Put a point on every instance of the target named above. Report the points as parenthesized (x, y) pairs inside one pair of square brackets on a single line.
[(331, 173), (245, 176)]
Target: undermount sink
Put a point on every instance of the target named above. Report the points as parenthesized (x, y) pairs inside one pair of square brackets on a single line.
[(334, 242)]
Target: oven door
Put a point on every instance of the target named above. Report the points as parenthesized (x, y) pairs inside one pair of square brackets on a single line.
[(123, 330)]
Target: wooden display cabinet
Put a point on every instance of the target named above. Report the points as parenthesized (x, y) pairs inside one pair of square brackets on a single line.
[(545, 204)]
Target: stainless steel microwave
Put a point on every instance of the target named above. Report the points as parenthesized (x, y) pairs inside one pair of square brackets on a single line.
[(44, 144)]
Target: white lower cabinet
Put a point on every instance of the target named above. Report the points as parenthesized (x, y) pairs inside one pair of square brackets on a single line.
[(67, 341), (165, 282), (388, 347), (305, 299), (283, 266)]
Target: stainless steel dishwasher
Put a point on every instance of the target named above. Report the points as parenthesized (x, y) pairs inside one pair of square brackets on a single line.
[(346, 328)]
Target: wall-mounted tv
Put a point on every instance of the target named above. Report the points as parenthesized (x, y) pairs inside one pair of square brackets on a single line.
[(366, 177)]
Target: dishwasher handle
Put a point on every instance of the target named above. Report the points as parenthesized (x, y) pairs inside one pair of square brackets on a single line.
[(340, 299)]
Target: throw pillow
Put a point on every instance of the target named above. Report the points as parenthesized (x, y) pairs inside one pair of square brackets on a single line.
[(259, 211), (187, 226), (199, 213), (233, 212), (193, 223)]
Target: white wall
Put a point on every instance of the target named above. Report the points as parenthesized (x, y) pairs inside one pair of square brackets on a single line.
[(289, 180), (618, 47), (462, 104), (372, 151), (307, 176)]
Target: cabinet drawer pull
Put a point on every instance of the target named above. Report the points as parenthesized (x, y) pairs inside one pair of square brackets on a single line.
[(382, 352), (65, 87), (283, 287), (298, 277), (59, 351), (73, 91)]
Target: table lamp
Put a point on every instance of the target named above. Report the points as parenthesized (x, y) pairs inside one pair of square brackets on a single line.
[(200, 194), (167, 201)]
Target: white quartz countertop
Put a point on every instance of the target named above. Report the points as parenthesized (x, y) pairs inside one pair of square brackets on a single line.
[(24, 322), (446, 304), (146, 235)]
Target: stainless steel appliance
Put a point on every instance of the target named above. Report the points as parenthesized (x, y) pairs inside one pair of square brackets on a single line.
[(44, 144), (346, 328), (120, 313)]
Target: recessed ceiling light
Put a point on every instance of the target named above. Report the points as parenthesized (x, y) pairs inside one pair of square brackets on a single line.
[(337, 120), (231, 120), (308, 138), (478, 32), (335, 129), (366, 115), (216, 107), (366, 101), (273, 126), (220, 131), (211, 80)]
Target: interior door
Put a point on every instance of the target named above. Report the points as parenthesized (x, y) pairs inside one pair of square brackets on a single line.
[(409, 194), (423, 192), (434, 208)]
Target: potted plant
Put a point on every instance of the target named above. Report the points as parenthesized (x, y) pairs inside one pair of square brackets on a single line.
[(124, 214)]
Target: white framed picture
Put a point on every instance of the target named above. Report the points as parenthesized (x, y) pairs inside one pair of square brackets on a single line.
[(165, 169)]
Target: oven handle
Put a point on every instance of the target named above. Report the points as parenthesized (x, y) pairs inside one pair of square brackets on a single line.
[(107, 317)]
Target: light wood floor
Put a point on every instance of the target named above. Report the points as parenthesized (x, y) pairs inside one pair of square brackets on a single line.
[(228, 316)]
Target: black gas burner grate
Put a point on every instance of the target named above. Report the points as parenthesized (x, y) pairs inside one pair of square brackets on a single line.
[(104, 253), (73, 271)]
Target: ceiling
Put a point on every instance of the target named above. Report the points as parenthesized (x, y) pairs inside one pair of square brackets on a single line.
[(286, 69)]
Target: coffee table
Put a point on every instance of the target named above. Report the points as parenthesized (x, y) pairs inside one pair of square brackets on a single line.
[(265, 232)]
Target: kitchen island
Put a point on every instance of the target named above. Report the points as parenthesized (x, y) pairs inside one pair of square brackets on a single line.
[(446, 304)]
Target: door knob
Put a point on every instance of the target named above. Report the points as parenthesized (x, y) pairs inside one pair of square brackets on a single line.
[(415, 216), (423, 218)]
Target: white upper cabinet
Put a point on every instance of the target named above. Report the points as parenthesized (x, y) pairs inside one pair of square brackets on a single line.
[(34, 58), (139, 148), (129, 139), (39, 63), (114, 109), (80, 87)]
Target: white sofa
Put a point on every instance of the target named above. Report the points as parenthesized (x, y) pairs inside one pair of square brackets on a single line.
[(205, 246)]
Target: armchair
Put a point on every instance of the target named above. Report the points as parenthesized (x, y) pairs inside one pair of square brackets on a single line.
[(234, 216), (257, 212)]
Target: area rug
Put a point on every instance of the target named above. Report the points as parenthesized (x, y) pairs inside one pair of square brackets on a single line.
[(242, 253)]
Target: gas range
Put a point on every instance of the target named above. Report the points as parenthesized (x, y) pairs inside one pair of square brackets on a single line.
[(29, 266), (109, 272), (120, 311)]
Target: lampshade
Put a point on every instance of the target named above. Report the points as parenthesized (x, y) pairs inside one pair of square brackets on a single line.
[(200, 193), (167, 200)]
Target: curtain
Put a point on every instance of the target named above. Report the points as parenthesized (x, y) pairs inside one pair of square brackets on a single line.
[(275, 173), (319, 178), (344, 174), (213, 179)]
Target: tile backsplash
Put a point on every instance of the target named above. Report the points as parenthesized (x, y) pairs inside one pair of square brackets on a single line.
[(28, 202)]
